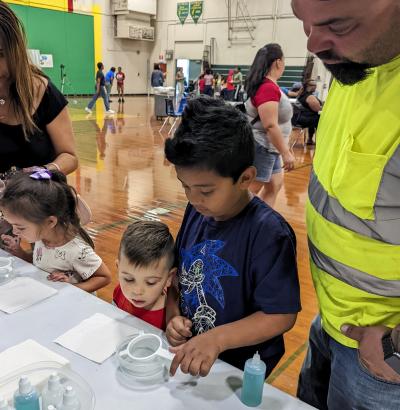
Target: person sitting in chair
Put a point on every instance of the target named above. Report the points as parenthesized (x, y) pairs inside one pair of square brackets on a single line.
[(306, 109)]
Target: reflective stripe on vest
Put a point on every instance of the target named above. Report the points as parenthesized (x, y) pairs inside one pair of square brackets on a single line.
[(354, 277), (386, 226)]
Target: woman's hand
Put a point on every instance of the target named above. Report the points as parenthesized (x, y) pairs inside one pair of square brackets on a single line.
[(288, 160)]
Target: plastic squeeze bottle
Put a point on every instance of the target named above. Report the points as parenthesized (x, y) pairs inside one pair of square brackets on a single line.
[(253, 381), (52, 394), (26, 397), (70, 400)]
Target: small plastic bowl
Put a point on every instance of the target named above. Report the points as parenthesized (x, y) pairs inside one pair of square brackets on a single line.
[(39, 373), (139, 375)]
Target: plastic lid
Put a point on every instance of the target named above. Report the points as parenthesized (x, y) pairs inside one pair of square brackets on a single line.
[(256, 359), (51, 407), (25, 386), (69, 397), (54, 382)]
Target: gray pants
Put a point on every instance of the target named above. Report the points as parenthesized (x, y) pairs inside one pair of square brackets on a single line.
[(108, 88)]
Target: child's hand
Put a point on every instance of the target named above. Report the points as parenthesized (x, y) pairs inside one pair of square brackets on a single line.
[(11, 243), (196, 356), (58, 276), (178, 330)]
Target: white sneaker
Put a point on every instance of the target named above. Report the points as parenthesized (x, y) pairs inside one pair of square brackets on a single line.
[(88, 110), (110, 112)]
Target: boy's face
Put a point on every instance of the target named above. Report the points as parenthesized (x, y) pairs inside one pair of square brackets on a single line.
[(144, 286), (213, 195)]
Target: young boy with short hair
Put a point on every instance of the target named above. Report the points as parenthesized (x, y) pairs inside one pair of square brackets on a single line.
[(145, 269), (237, 273)]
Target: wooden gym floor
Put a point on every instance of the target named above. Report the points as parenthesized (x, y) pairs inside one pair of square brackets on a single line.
[(123, 176)]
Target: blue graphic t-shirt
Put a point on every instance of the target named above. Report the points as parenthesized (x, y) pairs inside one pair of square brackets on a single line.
[(228, 270)]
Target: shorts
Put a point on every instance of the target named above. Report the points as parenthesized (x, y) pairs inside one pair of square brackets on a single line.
[(267, 163)]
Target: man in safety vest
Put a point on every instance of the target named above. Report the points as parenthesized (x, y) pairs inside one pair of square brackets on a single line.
[(353, 211)]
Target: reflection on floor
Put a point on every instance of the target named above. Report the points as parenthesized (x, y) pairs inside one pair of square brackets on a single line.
[(123, 176)]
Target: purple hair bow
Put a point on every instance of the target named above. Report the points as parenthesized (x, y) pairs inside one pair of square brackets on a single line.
[(41, 174)]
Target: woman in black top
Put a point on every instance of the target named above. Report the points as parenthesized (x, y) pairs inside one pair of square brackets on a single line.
[(35, 127), (306, 109)]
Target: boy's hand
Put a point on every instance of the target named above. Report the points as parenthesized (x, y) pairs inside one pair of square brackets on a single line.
[(11, 244), (196, 356), (178, 330), (58, 276)]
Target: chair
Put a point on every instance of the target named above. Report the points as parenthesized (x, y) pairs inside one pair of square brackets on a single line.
[(297, 135), (171, 113)]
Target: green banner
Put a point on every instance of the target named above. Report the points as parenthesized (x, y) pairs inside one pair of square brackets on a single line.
[(196, 10), (182, 11)]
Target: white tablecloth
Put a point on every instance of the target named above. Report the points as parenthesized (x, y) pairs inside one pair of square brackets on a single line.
[(47, 320)]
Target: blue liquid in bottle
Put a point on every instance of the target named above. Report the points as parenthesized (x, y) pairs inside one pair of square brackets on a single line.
[(253, 381), (26, 397)]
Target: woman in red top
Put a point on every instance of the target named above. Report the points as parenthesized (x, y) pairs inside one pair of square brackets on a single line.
[(270, 112), (201, 84)]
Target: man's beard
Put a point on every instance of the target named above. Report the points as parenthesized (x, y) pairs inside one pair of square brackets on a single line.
[(346, 72)]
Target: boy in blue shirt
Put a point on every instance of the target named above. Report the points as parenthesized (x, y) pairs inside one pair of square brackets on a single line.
[(237, 273)]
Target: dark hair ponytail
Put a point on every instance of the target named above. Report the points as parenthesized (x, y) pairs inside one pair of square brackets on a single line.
[(261, 66), (37, 199)]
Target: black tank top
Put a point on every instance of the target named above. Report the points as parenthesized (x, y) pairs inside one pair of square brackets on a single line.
[(16, 151)]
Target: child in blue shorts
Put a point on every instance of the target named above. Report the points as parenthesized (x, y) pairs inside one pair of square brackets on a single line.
[(238, 283)]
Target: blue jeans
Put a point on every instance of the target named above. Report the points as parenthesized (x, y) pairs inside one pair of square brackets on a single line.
[(266, 163), (332, 377), (104, 96)]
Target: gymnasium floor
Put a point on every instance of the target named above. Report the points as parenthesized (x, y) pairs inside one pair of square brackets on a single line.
[(123, 177)]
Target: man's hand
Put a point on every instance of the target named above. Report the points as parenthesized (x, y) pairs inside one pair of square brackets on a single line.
[(178, 330), (196, 356), (371, 351), (58, 276)]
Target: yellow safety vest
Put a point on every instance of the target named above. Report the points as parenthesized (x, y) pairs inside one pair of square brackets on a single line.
[(353, 210)]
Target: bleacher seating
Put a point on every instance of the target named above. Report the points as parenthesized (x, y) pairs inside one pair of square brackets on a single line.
[(291, 74)]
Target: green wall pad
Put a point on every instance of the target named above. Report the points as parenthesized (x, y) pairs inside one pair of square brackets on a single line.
[(69, 38)]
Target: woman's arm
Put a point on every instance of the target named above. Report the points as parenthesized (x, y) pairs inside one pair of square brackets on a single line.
[(62, 137), (314, 103), (268, 113)]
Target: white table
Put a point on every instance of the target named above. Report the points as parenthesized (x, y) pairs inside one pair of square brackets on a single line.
[(49, 319)]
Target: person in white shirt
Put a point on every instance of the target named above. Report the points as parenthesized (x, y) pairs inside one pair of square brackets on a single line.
[(41, 207)]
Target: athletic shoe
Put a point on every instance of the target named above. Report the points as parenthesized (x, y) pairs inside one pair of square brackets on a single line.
[(110, 112), (88, 110)]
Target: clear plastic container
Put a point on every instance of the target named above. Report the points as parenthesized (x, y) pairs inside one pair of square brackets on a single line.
[(40, 373), (6, 270), (140, 375)]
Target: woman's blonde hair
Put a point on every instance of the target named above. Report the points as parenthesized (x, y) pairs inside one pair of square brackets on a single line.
[(21, 71)]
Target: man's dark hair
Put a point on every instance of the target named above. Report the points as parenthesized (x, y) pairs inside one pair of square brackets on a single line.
[(99, 65), (213, 136), (113, 69), (146, 242), (347, 72)]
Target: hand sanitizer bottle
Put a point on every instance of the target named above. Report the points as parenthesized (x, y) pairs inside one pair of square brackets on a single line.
[(52, 394), (253, 381), (70, 400), (4, 404), (26, 397)]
